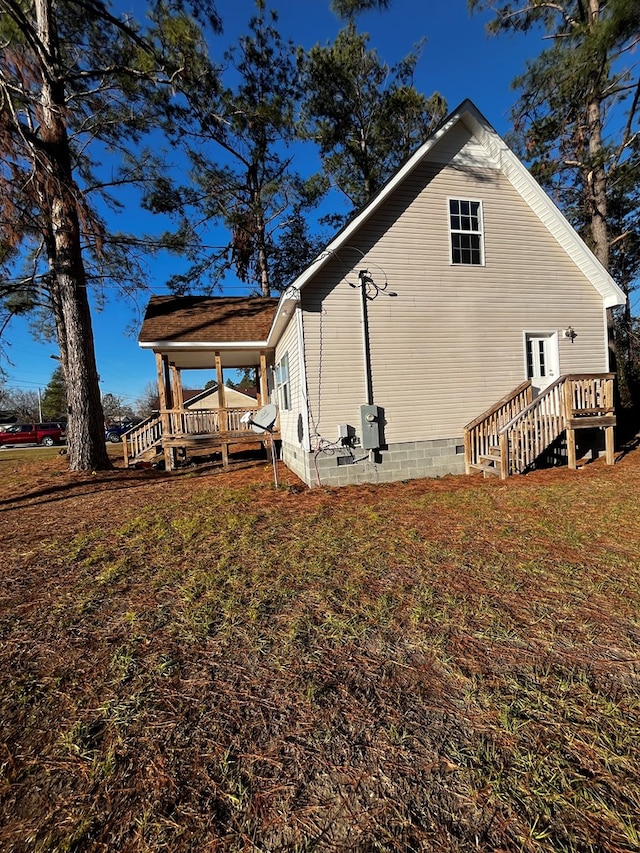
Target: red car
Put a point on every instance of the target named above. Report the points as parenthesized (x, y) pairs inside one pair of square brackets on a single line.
[(45, 434)]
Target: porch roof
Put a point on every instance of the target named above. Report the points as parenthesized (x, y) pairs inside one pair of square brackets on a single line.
[(190, 329)]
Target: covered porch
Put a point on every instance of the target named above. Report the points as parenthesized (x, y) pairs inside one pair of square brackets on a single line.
[(202, 333)]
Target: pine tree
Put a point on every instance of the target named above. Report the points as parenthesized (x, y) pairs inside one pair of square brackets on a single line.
[(577, 123), (237, 137), (73, 78), (54, 398), (365, 116)]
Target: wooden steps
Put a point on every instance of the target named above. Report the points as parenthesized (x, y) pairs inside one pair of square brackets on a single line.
[(488, 463), (513, 435)]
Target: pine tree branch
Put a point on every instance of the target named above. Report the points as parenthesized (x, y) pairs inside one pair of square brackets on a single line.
[(627, 136)]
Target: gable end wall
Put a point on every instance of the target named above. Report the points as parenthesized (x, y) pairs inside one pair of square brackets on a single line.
[(451, 343)]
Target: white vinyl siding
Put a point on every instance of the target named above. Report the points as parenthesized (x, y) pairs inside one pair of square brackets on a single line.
[(451, 343), (289, 346)]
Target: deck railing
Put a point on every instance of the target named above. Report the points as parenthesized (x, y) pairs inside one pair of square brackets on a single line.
[(589, 395), (173, 424), (515, 432), (207, 421), (483, 432)]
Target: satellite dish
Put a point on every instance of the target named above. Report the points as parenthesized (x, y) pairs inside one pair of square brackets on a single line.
[(263, 422), (246, 418), (265, 419)]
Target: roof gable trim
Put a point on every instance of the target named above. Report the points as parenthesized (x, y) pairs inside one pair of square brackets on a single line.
[(499, 156)]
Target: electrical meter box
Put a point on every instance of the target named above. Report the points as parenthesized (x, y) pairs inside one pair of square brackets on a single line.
[(371, 427)]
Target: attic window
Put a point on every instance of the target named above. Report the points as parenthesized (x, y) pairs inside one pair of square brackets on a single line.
[(465, 225)]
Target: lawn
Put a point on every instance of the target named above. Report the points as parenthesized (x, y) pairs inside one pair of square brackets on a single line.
[(198, 661)]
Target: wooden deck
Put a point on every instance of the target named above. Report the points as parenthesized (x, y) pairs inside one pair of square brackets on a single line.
[(175, 433), (509, 437)]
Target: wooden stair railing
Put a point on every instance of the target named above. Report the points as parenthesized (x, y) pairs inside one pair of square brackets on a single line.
[(481, 435), (504, 446), (142, 439), (528, 434)]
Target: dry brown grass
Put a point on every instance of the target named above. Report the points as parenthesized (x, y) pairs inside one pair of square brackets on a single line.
[(199, 662)]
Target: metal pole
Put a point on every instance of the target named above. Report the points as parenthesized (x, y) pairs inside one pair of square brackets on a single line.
[(366, 344), (275, 463)]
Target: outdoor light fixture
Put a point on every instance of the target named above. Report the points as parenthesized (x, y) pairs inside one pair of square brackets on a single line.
[(569, 333)]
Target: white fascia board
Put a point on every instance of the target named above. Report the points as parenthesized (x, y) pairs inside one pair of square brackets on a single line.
[(286, 308), (544, 208), (213, 345), (522, 181)]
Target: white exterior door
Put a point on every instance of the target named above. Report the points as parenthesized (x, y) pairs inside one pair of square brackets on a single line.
[(542, 359)]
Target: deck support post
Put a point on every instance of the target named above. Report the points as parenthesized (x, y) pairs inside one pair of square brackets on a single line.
[(572, 461), (567, 414), (609, 445), (467, 452)]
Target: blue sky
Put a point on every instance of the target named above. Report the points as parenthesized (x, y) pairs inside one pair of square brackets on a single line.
[(459, 60)]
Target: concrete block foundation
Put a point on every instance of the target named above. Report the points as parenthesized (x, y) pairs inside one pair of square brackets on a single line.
[(404, 461)]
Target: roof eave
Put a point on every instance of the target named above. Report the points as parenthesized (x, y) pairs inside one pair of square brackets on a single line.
[(287, 304), (204, 345), (545, 208)]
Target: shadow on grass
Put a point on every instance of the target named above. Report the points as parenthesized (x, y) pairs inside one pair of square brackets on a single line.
[(124, 479), (628, 431)]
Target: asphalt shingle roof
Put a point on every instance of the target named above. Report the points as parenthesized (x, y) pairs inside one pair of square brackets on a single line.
[(206, 319)]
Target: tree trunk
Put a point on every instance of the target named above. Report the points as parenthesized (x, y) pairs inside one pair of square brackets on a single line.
[(596, 179), (85, 430), (597, 185)]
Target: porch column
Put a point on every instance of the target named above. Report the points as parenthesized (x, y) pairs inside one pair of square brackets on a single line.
[(164, 392), (263, 396), (222, 405), (176, 381)]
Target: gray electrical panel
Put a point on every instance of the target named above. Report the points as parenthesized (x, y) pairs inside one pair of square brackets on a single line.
[(371, 427)]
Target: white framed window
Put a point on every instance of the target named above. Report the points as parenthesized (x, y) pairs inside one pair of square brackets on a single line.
[(465, 228), (282, 382)]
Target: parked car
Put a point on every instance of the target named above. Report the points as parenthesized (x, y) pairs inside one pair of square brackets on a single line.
[(114, 433), (45, 434)]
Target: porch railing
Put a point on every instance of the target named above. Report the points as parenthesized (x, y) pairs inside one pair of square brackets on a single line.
[(174, 424), (207, 421)]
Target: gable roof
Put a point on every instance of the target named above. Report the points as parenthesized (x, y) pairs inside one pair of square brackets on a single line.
[(501, 157), (173, 320), (196, 397)]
